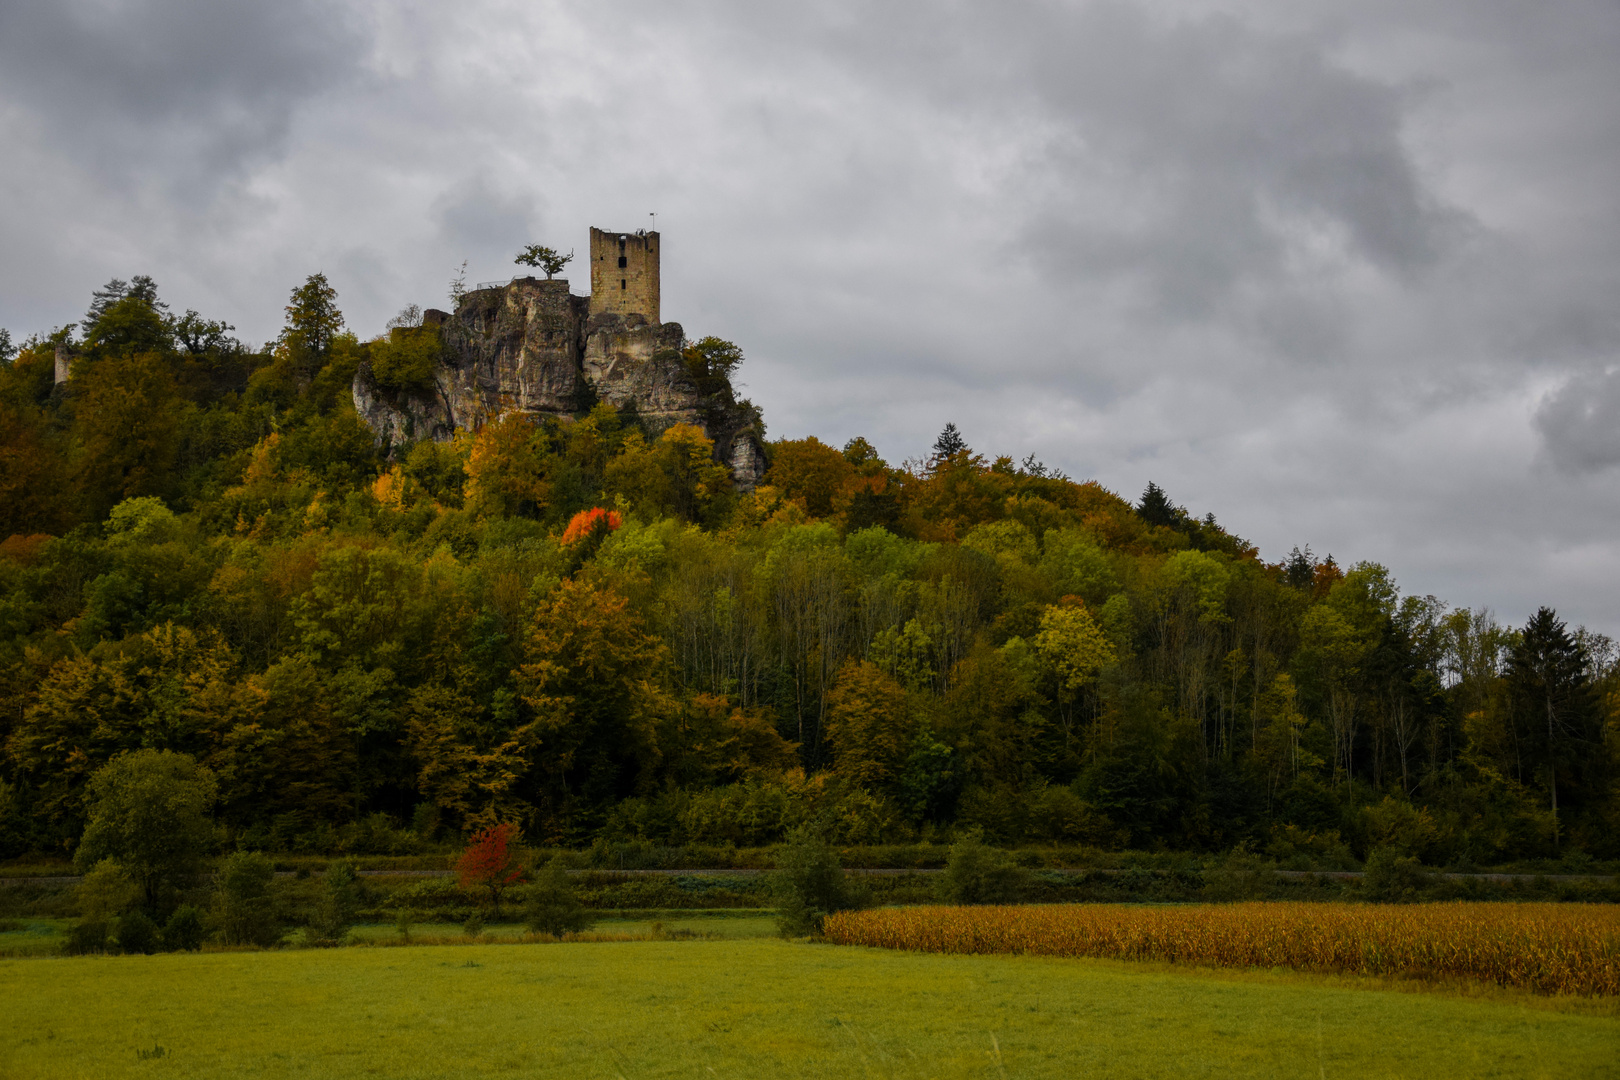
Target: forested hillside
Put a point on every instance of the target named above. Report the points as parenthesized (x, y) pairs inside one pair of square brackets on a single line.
[(582, 628)]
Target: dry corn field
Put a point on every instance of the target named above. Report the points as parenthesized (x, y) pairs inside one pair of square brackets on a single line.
[(1548, 948)]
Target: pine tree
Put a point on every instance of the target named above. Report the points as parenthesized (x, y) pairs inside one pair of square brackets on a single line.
[(1555, 711), (949, 444), (1157, 509)]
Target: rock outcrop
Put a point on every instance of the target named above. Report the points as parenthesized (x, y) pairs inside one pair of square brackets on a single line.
[(531, 346)]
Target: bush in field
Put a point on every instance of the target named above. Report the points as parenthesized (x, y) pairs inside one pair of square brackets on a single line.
[(243, 905), (1392, 877), (552, 906), (810, 884), (102, 895), (1241, 875), (474, 926), (105, 892), (979, 874), (137, 933), (149, 810), (489, 865), (184, 930), (340, 901), (87, 936)]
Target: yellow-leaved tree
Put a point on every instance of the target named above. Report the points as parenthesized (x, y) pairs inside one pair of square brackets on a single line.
[(868, 726), (1073, 645), (592, 680), (507, 469)]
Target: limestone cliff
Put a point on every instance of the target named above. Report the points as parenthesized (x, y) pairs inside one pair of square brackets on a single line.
[(532, 347)]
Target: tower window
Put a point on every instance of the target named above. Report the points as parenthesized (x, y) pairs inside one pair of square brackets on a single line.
[(621, 283), (623, 262)]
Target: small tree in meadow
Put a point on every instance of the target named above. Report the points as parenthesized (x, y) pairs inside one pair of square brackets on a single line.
[(149, 810), (552, 908), (340, 901), (245, 907), (810, 884), (489, 865), (979, 874)]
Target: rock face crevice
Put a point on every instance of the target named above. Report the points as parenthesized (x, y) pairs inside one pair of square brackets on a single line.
[(533, 347)]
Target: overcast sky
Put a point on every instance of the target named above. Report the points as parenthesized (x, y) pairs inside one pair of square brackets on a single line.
[(1343, 274)]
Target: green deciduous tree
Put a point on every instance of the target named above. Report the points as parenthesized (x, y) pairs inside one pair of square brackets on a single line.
[(243, 902), (313, 321), (551, 906), (149, 810), (810, 884), (978, 874), (868, 727), (544, 258)]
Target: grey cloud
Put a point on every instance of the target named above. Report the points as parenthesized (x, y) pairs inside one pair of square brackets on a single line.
[(477, 218), (1580, 422), (1306, 264), (186, 90), (1235, 142)]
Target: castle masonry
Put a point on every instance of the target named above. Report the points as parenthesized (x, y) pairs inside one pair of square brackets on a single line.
[(532, 346), (624, 274)]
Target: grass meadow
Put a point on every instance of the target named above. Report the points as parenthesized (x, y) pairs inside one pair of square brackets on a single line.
[(754, 1006)]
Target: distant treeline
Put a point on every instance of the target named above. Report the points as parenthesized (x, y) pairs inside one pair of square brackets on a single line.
[(582, 627)]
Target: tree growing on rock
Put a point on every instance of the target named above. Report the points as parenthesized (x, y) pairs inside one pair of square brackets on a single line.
[(544, 258)]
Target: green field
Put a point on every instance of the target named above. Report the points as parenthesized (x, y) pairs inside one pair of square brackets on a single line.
[(753, 1007)]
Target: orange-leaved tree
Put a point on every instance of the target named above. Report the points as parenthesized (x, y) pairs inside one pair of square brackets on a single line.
[(594, 523), (489, 864)]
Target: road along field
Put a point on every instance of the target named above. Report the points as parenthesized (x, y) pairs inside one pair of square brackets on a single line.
[(1548, 948), (754, 1008)]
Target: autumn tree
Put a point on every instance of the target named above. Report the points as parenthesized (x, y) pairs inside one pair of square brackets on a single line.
[(471, 765), (507, 469), (591, 679), (1072, 643), (489, 865), (708, 740), (127, 426), (313, 322), (710, 363), (674, 476), (809, 471), (868, 727)]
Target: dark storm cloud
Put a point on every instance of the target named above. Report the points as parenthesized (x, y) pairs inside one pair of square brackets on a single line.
[(1234, 142), (1310, 265), (184, 89)]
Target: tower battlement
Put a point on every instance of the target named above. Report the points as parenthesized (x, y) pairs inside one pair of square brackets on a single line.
[(624, 274)]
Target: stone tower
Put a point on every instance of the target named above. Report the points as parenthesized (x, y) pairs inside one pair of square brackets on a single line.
[(624, 274)]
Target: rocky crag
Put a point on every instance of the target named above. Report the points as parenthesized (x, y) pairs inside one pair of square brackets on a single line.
[(533, 347)]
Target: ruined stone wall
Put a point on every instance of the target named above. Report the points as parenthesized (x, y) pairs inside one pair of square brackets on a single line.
[(625, 274), (532, 347)]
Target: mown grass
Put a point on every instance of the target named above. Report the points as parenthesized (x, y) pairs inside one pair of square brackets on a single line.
[(753, 1008)]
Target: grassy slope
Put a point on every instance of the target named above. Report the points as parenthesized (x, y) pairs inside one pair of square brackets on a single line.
[(749, 1008)]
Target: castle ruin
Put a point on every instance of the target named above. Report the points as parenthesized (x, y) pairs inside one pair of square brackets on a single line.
[(532, 346)]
